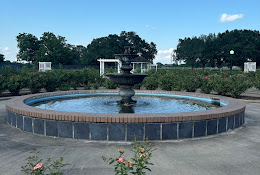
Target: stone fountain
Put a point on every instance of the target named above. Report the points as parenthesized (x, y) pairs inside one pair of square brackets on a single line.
[(126, 79)]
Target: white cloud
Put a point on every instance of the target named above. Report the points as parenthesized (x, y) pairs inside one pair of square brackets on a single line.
[(7, 53), (227, 18), (163, 56), (150, 27)]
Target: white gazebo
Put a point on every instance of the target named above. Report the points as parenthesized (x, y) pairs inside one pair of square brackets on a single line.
[(141, 64), (44, 66), (249, 67), (102, 62)]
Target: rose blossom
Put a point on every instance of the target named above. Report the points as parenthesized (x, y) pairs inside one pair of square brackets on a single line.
[(38, 166), (142, 155), (129, 163), (120, 150), (120, 160), (141, 150)]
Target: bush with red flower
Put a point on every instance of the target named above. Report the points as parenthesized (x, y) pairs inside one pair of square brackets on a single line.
[(138, 164), (34, 165)]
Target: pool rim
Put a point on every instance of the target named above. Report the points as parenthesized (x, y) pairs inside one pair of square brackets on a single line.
[(17, 105)]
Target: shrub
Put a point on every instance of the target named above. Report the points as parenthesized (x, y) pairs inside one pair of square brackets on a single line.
[(35, 82), (15, 83), (138, 86), (35, 166), (64, 80), (151, 83), (238, 85), (166, 82), (2, 83), (221, 85), (51, 80), (206, 85), (141, 159), (109, 84), (191, 83)]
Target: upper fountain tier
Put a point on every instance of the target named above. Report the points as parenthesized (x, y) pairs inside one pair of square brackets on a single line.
[(127, 80)]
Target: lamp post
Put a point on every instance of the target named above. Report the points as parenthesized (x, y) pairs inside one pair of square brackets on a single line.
[(231, 53)]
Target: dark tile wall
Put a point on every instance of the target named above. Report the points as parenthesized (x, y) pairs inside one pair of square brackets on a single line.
[(135, 129), (13, 120), (116, 131), (222, 123), (19, 121), (212, 127), (38, 125), (185, 130), (65, 129), (152, 131), (230, 122), (51, 128), (199, 128), (169, 131), (98, 131), (81, 130), (27, 124)]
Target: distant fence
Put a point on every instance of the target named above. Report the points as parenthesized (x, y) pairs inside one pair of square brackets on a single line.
[(54, 66)]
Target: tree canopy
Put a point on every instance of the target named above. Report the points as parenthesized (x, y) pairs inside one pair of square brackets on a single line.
[(214, 50), (106, 47), (2, 57), (55, 49)]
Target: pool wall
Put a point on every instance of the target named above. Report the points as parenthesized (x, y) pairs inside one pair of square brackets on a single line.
[(122, 127)]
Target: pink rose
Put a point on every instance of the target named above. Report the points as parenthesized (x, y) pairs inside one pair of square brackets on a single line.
[(120, 160), (38, 166), (206, 77)]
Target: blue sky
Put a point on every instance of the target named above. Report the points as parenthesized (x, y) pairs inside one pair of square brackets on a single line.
[(160, 21)]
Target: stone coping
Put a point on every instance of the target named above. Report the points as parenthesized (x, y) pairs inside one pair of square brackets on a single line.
[(18, 106)]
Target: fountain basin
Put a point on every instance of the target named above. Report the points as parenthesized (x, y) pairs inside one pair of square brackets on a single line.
[(122, 127)]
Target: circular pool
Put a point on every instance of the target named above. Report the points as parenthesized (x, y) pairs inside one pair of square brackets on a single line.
[(95, 123)]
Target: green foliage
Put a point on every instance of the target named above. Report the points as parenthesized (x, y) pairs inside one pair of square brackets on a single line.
[(141, 160), (220, 83), (109, 84), (151, 83), (34, 166), (106, 47), (15, 83), (2, 58), (51, 80), (206, 85), (238, 85), (191, 83), (35, 81), (2, 83), (213, 50), (138, 86)]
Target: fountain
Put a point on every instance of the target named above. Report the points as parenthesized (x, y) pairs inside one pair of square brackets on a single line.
[(126, 79), (155, 114)]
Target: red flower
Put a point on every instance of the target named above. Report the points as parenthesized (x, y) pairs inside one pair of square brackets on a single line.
[(37, 167), (206, 77), (120, 160)]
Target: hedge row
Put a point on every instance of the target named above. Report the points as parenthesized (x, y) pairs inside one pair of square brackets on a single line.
[(169, 80)]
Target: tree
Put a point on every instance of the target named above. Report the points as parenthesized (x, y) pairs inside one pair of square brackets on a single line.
[(106, 47), (28, 44), (54, 49), (214, 50), (2, 57)]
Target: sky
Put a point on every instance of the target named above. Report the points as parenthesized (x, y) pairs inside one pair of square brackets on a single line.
[(163, 22)]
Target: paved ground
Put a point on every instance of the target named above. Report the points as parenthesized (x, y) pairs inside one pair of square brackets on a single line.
[(233, 153)]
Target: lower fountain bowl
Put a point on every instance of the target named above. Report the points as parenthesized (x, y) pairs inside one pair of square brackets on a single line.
[(123, 127)]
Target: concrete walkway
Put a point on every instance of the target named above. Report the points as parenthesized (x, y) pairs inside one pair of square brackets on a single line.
[(233, 153)]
